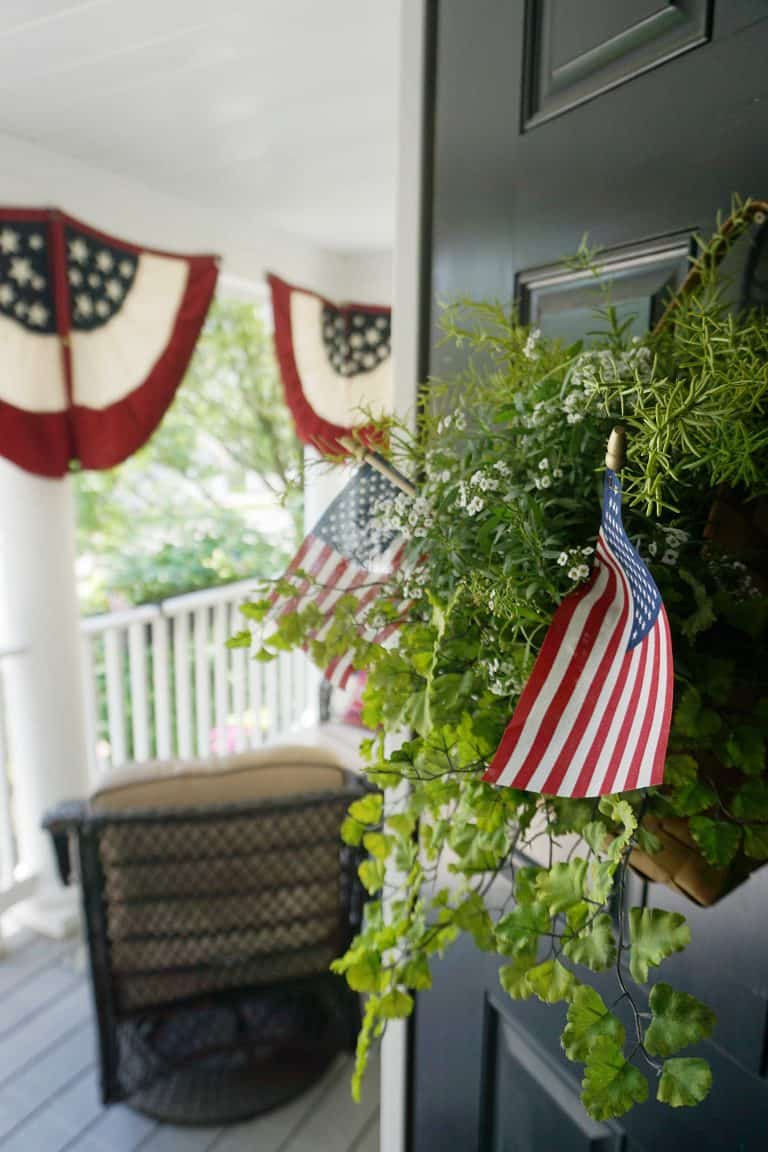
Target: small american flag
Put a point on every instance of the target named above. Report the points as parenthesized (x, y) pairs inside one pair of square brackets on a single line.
[(594, 716), (349, 552)]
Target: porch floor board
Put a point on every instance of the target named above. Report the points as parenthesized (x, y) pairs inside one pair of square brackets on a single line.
[(49, 1097)]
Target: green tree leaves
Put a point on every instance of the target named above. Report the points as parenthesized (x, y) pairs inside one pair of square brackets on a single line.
[(655, 935), (678, 1021)]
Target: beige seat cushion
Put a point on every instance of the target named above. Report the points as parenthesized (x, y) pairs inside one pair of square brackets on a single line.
[(256, 774)]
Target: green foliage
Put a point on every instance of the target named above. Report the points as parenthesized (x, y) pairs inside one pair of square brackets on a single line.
[(655, 935), (501, 530), (684, 1082), (678, 1021), (611, 1084), (588, 1020), (186, 511)]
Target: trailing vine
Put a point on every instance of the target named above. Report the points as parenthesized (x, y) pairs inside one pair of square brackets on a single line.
[(503, 527)]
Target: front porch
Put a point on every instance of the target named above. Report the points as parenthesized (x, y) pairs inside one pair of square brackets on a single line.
[(49, 1097)]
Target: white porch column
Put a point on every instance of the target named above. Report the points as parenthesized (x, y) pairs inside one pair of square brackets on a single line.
[(45, 704)]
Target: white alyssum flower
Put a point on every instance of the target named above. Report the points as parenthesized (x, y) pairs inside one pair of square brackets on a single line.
[(563, 559), (529, 350), (543, 464), (475, 505)]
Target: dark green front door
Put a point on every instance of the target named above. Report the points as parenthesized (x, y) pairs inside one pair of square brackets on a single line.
[(632, 121)]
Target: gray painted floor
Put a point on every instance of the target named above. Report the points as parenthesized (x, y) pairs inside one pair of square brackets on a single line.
[(48, 1079)]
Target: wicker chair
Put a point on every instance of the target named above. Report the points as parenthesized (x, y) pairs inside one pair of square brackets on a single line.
[(215, 897)]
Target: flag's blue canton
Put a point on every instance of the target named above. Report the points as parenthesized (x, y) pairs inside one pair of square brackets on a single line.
[(349, 526), (645, 595), (100, 277), (26, 289)]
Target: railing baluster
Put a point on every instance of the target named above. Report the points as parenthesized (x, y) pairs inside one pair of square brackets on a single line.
[(220, 681), (90, 693), (181, 677), (256, 700), (160, 687), (270, 719), (113, 652), (202, 683), (285, 688), (137, 659), (238, 658)]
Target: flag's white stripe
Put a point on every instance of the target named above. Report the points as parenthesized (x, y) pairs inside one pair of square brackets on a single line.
[(319, 577), (550, 686), (628, 754), (327, 608), (659, 705), (597, 710), (609, 746), (586, 680), (280, 606)]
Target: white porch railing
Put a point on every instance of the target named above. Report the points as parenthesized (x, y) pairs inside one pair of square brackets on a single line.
[(160, 682)]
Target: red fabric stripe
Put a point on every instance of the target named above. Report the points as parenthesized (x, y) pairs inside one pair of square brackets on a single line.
[(294, 564), (317, 565), (657, 773), (642, 743), (562, 763), (579, 659), (549, 649), (105, 437), (626, 724)]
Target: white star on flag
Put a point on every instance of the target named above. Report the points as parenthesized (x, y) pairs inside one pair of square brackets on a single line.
[(9, 240), (21, 270), (79, 250)]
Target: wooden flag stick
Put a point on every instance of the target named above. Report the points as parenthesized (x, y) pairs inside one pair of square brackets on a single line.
[(364, 456)]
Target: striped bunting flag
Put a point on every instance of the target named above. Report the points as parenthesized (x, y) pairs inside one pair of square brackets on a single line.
[(594, 717), (348, 553)]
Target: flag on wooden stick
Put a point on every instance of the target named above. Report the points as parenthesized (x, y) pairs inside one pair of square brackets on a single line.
[(350, 553), (594, 716)]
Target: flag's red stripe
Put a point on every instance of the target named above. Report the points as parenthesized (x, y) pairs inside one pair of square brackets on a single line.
[(537, 679), (581, 655), (317, 566), (660, 755), (364, 601), (620, 745), (333, 580), (645, 730), (582, 785), (294, 564), (576, 733)]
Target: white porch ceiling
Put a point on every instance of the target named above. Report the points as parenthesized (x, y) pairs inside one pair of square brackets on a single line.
[(276, 114)]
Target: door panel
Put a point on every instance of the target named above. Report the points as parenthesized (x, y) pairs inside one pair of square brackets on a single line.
[(632, 122), (576, 51)]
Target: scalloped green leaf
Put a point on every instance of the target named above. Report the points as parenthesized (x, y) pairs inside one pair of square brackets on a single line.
[(588, 1020), (525, 885), (655, 934), (611, 1085), (518, 932), (678, 1021), (745, 749), (396, 1005), (685, 1082), (378, 844), (718, 840), (368, 809), (751, 800), (552, 981), (596, 948), (756, 841), (562, 885), (514, 977)]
